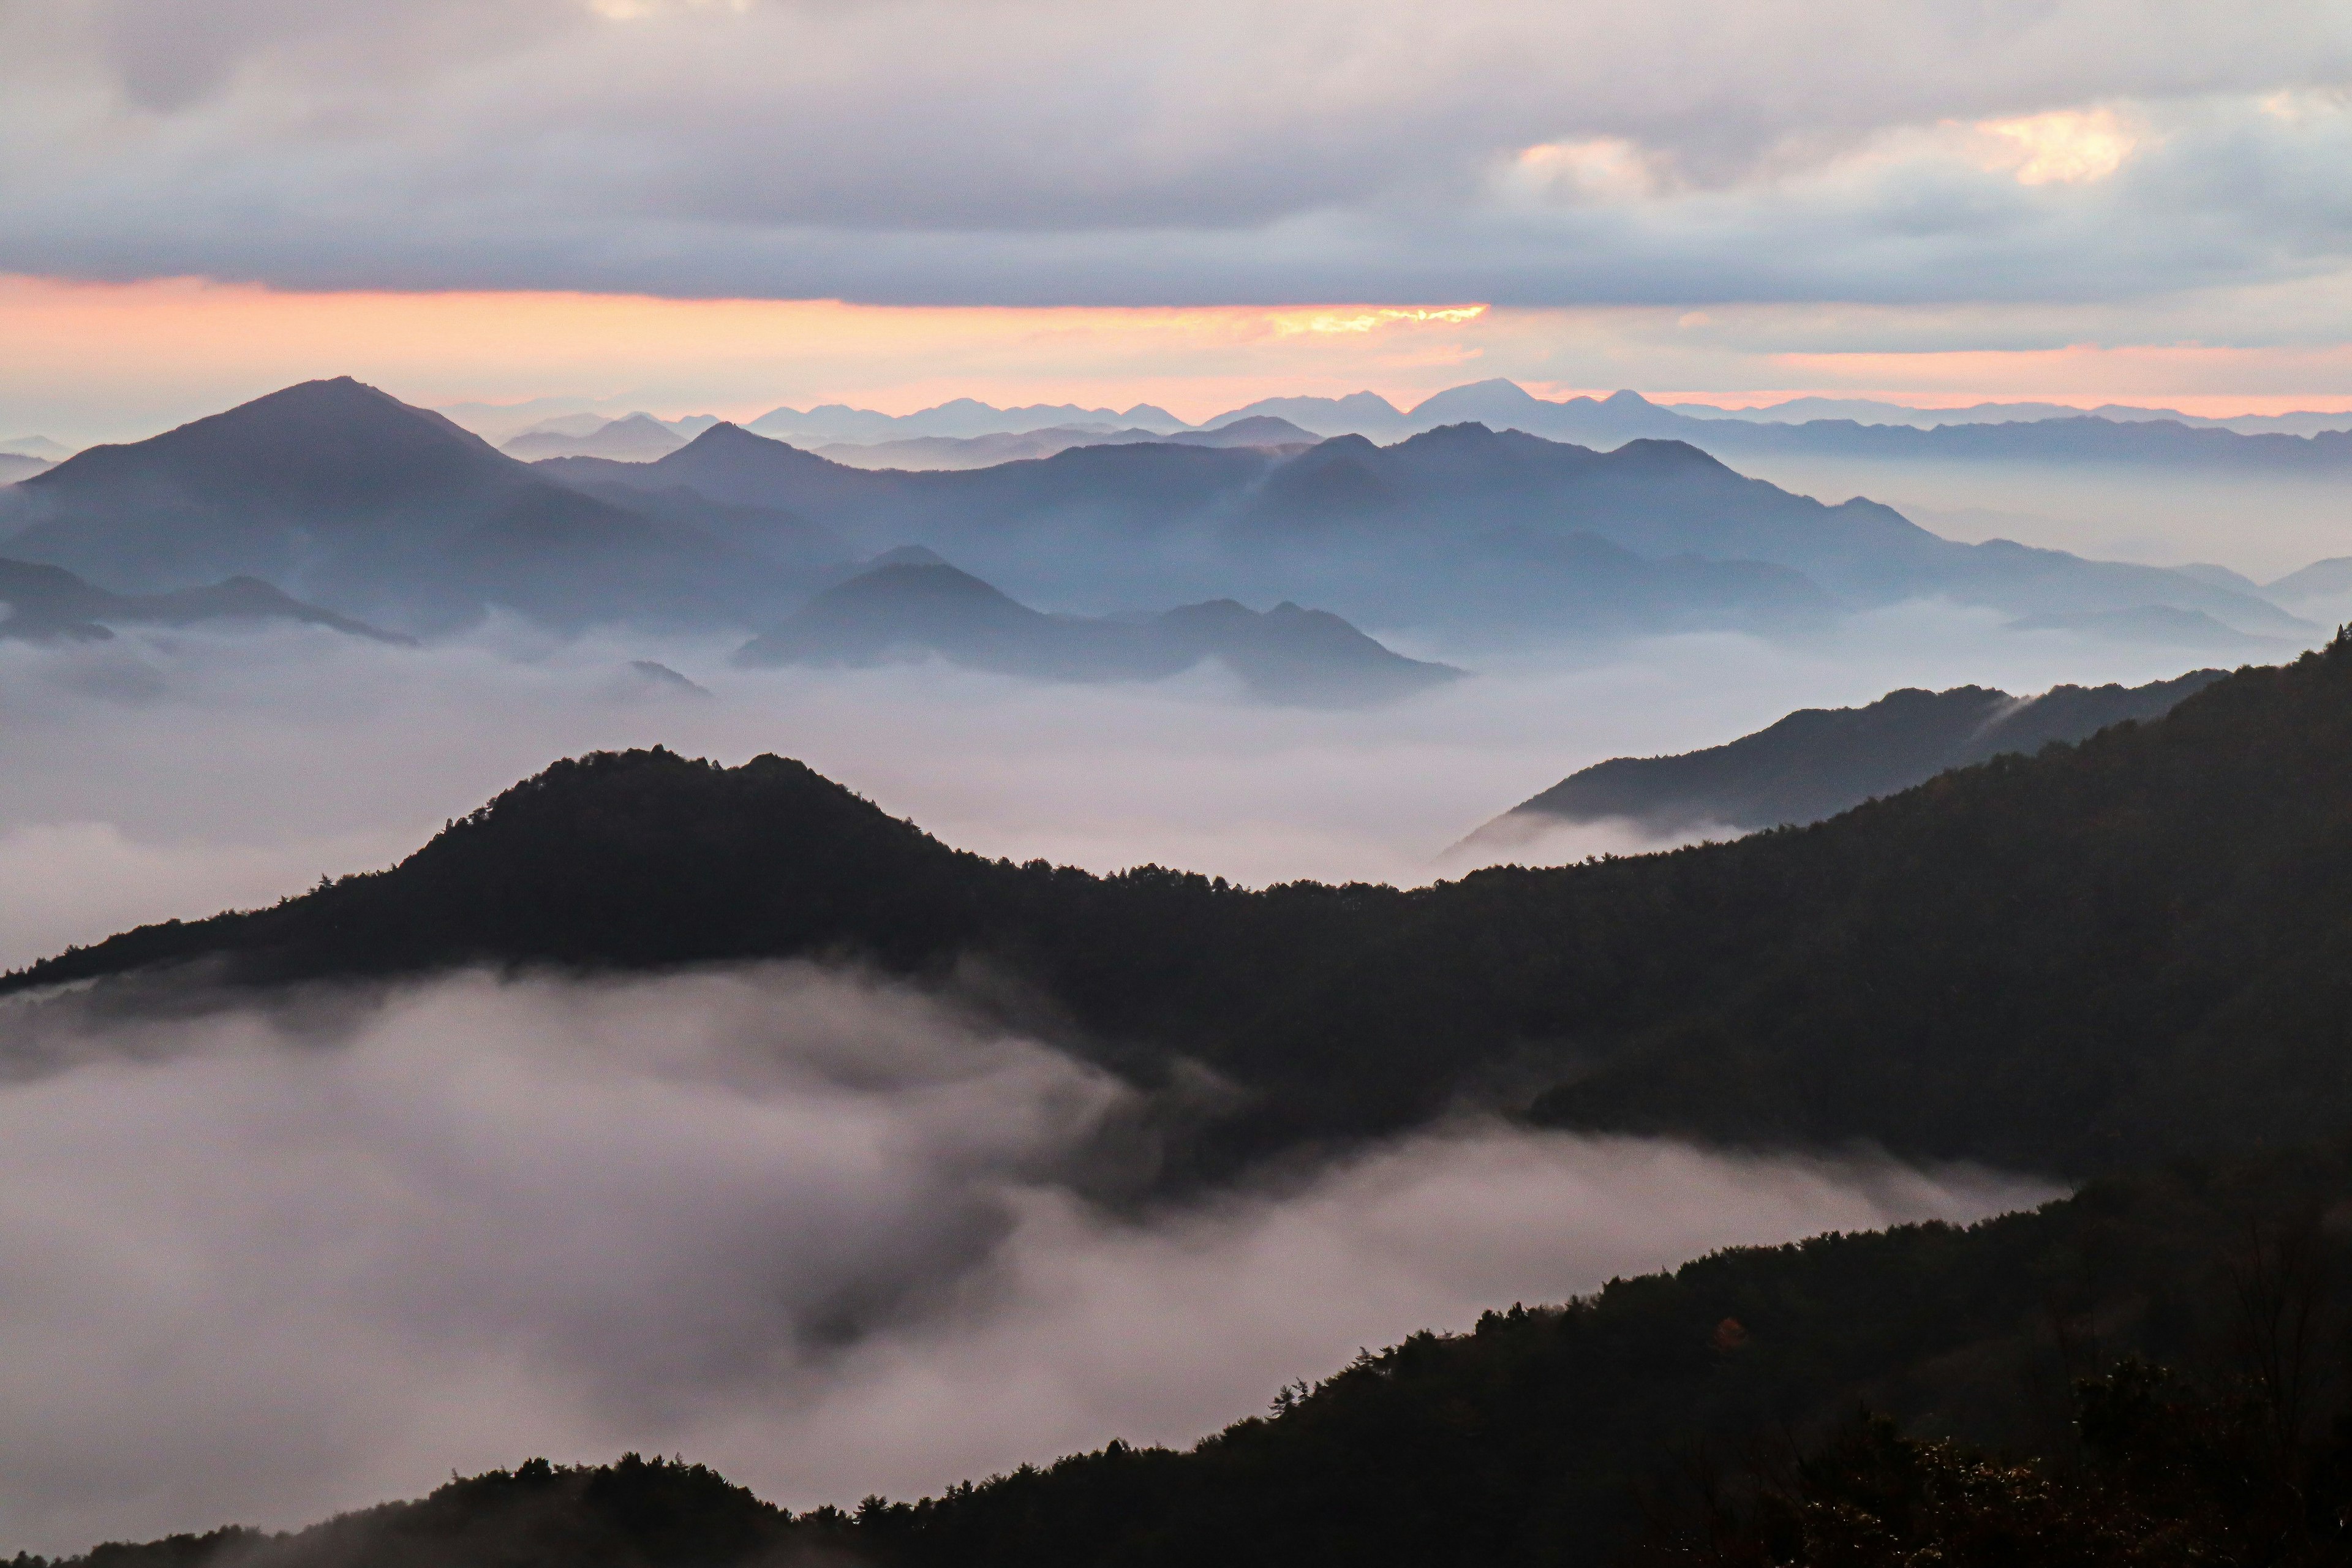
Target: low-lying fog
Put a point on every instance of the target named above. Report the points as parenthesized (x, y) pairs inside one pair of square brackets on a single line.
[(262, 1262), (175, 775), (828, 1235)]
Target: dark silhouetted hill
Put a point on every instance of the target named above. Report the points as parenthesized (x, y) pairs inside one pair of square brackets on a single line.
[(917, 605), (1819, 761), (2098, 954)]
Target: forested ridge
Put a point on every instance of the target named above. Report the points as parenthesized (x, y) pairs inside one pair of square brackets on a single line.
[(1691, 1416), (2095, 956), (2125, 957)]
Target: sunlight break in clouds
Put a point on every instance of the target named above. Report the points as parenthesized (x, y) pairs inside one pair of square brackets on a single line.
[(829, 1235), (2063, 147)]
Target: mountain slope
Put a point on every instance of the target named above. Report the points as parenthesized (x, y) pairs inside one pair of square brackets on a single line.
[(1819, 761), (1544, 1435), (47, 603), (1462, 527), (351, 496), (633, 438), (913, 606), (2105, 953)]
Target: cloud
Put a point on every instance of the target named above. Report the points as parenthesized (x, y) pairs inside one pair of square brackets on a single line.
[(266, 1261), (271, 759), (1053, 153)]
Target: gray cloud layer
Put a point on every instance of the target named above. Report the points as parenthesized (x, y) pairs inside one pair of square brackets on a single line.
[(941, 150), (262, 1263)]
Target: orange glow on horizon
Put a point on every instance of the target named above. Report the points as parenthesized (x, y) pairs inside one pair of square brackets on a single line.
[(116, 361)]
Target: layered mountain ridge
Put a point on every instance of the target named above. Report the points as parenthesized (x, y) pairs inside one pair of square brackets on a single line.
[(1819, 761), (2105, 953)]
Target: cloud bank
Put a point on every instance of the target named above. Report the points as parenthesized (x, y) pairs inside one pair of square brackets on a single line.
[(1053, 153), (267, 1260)]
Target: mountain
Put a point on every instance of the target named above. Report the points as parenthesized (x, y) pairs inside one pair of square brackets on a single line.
[(2303, 445), (2328, 579), (1358, 414), (1819, 761), (2104, 953), (960, 418), (985, 451), (17, 466), (1872, 411), (353, 499), (918, 603), (635, 438), (39, 447), (49, 602), (1485, 534)]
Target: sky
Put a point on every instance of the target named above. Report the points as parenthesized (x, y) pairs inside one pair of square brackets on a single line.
[(726, 204)]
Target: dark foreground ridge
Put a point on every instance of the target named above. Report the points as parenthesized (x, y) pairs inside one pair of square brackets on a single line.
[(2102, 954), (1563, 1434)]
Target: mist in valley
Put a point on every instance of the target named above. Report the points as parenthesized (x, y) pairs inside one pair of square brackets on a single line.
[(162, 775), (272, 1255)]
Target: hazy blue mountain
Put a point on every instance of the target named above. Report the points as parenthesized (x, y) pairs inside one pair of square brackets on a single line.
[(1819, 761), (987, 451), (36, 446), (1487, 533), (2328, 579), (1873, 411), (14, 466), (50, 604), (2299, 446), (633, 438), (961, 418), (909, 603), (1358, 414), (2164, 625), (353, 499)]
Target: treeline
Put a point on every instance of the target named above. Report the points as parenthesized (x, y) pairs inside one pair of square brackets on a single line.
[(1702, 1415)]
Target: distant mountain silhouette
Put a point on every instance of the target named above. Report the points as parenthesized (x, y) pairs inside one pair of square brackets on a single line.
[(2328, 579), (1872, 411), (911, 603), (1491, 533), (15, 466), (2046, 435), (351, 496), (348, 497), (985, 451), (633, 438), (960, 418), (1819, 761), (50, 604)]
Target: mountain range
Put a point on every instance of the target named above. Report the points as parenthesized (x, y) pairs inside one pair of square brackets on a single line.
[(2101, 954), (986, 451), (1480, 533), (345, 497), (911, 602), (633, 438), (49, 604), (1819, 761)]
